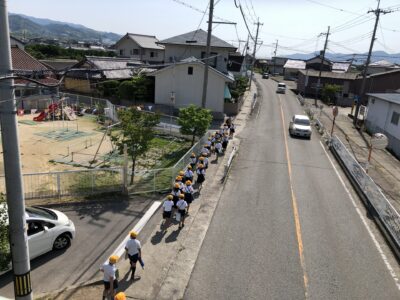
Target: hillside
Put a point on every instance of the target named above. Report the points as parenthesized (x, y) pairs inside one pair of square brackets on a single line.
[(31, 27), (358, 58)]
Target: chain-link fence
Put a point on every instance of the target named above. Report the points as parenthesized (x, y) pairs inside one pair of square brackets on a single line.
[(69, 183)]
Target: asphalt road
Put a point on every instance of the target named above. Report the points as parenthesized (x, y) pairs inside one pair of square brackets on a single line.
[(100, 227), (285, 227)]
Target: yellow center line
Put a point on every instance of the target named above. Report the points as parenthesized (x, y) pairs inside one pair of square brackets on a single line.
[(294, 204)]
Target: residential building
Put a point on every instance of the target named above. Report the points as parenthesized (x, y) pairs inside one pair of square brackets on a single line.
[(59, 66), (308, 79), (316, 62), (381, 66), (276, 65), (17, 42), (27, 66), (193, 44), (140, 47), (237, 64), (181, 84), (292, 67), (94, 69), (385, 82), (384, 117)]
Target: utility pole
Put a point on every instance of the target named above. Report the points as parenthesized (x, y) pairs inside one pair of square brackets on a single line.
[(208, 50), (377, 13), (12, 167), (321, 66), (276, 48), (254, 52)]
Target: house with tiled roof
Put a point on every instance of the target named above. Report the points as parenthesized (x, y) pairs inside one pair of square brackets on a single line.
[(193, 44), (25, 65), (140, 47)]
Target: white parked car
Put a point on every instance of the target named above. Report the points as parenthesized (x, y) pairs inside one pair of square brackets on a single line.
[(300, 125), (47, 229), (281, 88)]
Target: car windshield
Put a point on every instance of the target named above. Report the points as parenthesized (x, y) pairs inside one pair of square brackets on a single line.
[(281, 85), (37, 212), (304, 122)]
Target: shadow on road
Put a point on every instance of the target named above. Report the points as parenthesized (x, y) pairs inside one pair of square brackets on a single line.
[(7, 278)]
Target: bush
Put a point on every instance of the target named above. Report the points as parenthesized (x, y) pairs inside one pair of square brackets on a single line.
[(5, 256)]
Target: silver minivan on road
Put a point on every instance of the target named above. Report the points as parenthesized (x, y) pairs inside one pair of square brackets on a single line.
[(281, 88)]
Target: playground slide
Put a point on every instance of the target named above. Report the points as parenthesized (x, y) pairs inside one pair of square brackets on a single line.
[(69, 113), (40, 117)]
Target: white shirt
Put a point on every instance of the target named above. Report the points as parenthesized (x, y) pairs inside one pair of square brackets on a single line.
[(218, 146), (189, 173), (109, 271), (132, 246), (188, 189), (182, 204), (167, 205)]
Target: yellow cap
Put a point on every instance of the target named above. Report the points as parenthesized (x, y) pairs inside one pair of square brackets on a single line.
[(200, 166), (181, 196), (178, 178), (188, 182), (133, 234), (181, 173), (201, 158), (113, 259), (176, 185), (189, 167), (170, 197), (120, 296), (193, 155)]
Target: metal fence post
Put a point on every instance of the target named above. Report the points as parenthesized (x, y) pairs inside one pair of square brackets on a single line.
[(125, 170), (58, 185), (92, 173)]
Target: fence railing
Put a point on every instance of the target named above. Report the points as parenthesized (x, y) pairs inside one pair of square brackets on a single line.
[(75, 99), (383, 212), (69, 183)]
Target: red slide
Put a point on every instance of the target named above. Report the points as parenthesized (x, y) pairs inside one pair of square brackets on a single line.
[(40, 117)]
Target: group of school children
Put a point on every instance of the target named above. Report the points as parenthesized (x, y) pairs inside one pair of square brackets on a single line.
[(182, 193)]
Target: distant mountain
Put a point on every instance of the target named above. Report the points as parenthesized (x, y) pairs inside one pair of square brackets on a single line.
[(358, 58), (31, 27)]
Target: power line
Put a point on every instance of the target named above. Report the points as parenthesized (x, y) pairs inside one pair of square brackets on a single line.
[(333, 7), (198, 9)]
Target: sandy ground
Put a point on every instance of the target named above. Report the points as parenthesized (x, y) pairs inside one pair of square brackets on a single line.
[(37, 151)]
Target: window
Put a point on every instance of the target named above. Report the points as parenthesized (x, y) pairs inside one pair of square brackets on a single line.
[(135, 51), (151, 54), (143, 51), (121, 51), (395, 118), (190, 70), (34, 227)]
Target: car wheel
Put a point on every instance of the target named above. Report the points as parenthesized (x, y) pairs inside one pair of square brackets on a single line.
[(290, 133), (62, 241)]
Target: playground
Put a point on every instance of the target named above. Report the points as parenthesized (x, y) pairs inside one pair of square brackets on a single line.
[(51, 141)]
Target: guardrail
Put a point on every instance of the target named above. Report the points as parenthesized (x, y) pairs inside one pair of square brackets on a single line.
[(229, 162), (383, 212)]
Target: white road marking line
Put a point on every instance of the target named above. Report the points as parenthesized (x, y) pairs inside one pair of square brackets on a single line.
[(376, 243), (138, 227)]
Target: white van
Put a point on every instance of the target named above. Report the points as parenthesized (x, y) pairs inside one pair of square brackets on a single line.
[(281, 88)]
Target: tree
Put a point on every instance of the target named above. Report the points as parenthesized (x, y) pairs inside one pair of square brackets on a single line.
[(138, 88), (194, 121), (329, 92), (5, 256), (136, 131)]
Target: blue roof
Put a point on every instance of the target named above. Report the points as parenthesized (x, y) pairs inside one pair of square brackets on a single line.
[(389, 97)]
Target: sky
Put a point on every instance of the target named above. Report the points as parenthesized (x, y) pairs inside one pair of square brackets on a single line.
[(296, 24)]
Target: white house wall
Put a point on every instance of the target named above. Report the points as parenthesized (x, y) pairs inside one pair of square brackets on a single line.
[(180, 52), (127, 45), (188, 88)]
